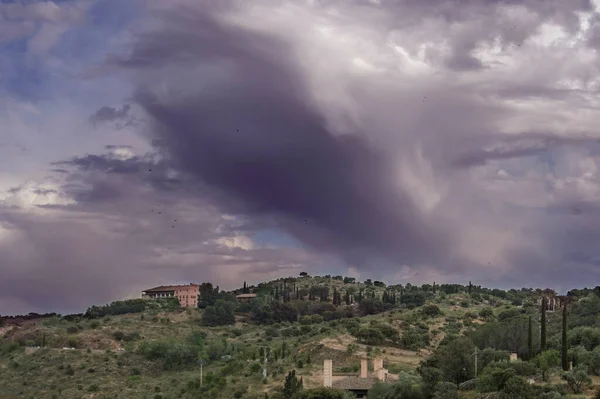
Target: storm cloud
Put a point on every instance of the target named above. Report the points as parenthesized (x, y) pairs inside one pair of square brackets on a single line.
[(398, 140)]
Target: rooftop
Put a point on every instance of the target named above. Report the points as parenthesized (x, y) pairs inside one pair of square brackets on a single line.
[(163, 288), (355, 383), (246, 296)]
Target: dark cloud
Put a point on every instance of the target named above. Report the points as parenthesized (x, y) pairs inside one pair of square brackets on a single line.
[(106, 163), (257, 139), (117, 147), (521, 145), (120, 118)]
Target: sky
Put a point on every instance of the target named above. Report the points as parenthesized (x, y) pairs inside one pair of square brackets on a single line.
[(145, 142)]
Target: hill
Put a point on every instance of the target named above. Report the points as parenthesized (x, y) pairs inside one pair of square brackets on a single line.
[(425, 335)]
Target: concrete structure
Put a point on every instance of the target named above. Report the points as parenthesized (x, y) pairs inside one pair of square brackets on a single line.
[(514, 357), (245, 297), (358, 385), (364, 367), (327, 373), (186, 294)]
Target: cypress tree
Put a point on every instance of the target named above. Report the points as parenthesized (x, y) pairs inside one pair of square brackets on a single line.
[(564, 346), (434, 287), (530, 339), (543, 326), (347, 298)]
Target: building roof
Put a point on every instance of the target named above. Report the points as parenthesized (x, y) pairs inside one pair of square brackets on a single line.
[(246, 296), (163, 288), (355, 383)]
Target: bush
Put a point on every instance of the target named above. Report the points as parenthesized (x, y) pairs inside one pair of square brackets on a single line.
[(577, 380), (431, 310), (517, 387), (468, 385), (446, 390), (220, 314), (486, 313), (118, 335), (172, 355), (370, 336), (72, 330)]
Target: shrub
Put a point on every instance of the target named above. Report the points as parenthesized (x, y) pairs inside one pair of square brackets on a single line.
[(446, 390), (69, 370), (517, 387), (431, 310), (118, 335), (468, 385), (577, 380), (133, 336), (72, 330), (486, 313), (172, 355), (370, 336)]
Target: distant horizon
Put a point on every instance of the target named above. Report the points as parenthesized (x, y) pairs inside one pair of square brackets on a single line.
[(63, 313)]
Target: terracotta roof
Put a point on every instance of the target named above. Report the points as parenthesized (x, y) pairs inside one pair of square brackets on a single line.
[(246, 296), (355, 383), (162, 288)]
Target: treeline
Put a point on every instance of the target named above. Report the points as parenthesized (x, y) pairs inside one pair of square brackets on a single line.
[(7, 320), (130, 306)]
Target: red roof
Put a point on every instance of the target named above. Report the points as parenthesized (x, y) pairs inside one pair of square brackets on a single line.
[(163, 288)]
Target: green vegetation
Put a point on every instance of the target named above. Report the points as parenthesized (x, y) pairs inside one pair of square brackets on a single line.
[(427, 335)]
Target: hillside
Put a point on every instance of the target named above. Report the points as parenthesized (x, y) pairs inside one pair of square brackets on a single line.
[(153, 349)]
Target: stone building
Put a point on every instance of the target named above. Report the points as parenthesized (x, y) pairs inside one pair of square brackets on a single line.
[(186, 294), (360, 384)]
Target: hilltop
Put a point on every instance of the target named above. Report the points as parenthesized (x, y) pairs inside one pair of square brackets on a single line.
[(152, 348)]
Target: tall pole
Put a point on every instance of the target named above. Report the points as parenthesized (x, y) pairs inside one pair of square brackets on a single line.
[(475, 362), (201, 365)]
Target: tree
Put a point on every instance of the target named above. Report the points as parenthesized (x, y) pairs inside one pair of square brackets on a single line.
[(455, 360), (543, 322), (578, 380), (470, 287), (594, 361), (220, 314), (565, 342), (292, 385), (303, 274), (546, 361), (370, 336), (517, 387), (208, 295), (530, 338)]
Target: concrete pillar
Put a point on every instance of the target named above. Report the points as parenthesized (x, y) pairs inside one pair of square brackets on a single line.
[(381, 374), (377, 363), (570, 366), (327, 373), (364, 368)]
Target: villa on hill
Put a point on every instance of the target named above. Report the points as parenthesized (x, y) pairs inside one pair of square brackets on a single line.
[(186, 294)]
